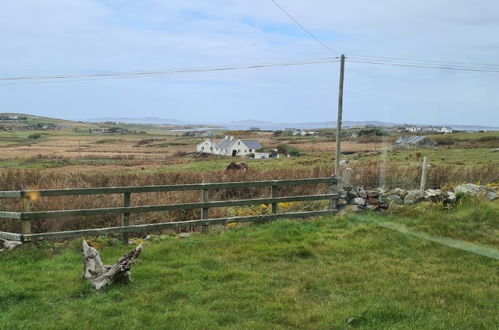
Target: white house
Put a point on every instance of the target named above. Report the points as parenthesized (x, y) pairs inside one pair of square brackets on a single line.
[(207, 146), (446, 130), (229, 146), (414, 129)]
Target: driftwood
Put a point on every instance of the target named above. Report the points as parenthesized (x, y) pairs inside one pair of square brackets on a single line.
[(237, 166), (103, 275)]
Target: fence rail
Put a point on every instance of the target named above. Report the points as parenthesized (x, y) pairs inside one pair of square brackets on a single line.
[(26, 215)]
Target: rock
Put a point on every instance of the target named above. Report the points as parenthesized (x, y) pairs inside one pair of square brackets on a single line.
[(469, 189), (372, 201), (359, 201), (342, 202), (372, 193), (401, 192), (491, 195), (351, 195), (148, 238), (412, 197), (383, 206), (433, 195), (184, 235), (396, 199), (449, 198), (8, 245), (361, 192), (495, 150), (372, 207)]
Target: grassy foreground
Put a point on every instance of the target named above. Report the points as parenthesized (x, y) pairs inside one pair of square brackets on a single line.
[(312, 275)]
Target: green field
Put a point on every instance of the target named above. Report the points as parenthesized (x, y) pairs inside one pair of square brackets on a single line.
[(314, 274)]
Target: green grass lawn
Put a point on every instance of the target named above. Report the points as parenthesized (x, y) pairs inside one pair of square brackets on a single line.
[(286, 274)]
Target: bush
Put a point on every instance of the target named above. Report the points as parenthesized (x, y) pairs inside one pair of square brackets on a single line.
[(288, 150), (34, 136), (445, 140)]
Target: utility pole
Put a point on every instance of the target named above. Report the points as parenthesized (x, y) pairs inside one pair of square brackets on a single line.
[(340, 114)]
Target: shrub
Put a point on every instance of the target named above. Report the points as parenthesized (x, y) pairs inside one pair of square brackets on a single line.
[(288, 150), (34, 136)]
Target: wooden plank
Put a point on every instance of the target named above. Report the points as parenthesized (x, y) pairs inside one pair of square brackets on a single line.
[(11, 236), (10, 215), (171, 225), (160, 208), (180, 187), (10, 194)]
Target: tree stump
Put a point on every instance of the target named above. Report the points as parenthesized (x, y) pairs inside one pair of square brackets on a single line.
[(103, 275)]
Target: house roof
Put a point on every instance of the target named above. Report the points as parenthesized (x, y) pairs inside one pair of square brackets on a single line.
[(414, 140), (252, 144), (226, 143)]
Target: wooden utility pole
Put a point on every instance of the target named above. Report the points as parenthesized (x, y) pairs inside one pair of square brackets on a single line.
[(340, 114)]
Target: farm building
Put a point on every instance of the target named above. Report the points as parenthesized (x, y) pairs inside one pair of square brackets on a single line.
[(229, 146), (207, 147), (415, 142), (261, 155)]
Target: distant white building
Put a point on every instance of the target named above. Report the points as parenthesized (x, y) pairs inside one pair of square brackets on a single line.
[(300, 132), (431, 129), (414, 129), (229, 146), (262, 155), (446, 130)]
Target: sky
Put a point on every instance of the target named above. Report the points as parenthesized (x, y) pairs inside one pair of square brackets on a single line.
[(98, 36)]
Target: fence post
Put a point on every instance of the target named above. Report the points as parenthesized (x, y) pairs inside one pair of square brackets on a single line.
[(273, 193), (126, 215), (424, 174), (26, 224), (204, 211), (333, 190)]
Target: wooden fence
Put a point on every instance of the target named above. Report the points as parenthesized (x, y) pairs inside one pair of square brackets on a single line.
[(26, 216)]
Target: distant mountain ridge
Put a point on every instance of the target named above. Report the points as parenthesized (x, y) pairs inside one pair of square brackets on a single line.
[(240, 124)]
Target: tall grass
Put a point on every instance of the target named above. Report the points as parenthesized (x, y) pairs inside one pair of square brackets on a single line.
[(366, 174)]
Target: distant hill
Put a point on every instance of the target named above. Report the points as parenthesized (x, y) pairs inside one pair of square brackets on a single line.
[(139, 120), (28, 119)]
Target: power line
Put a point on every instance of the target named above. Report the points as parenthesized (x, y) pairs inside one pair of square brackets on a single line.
[(400, 61), (423, 61), (304, 28), (426, 66), (114, 75)]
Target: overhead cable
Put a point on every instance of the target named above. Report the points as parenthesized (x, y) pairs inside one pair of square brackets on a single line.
[(304, 28), (108, 75)]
